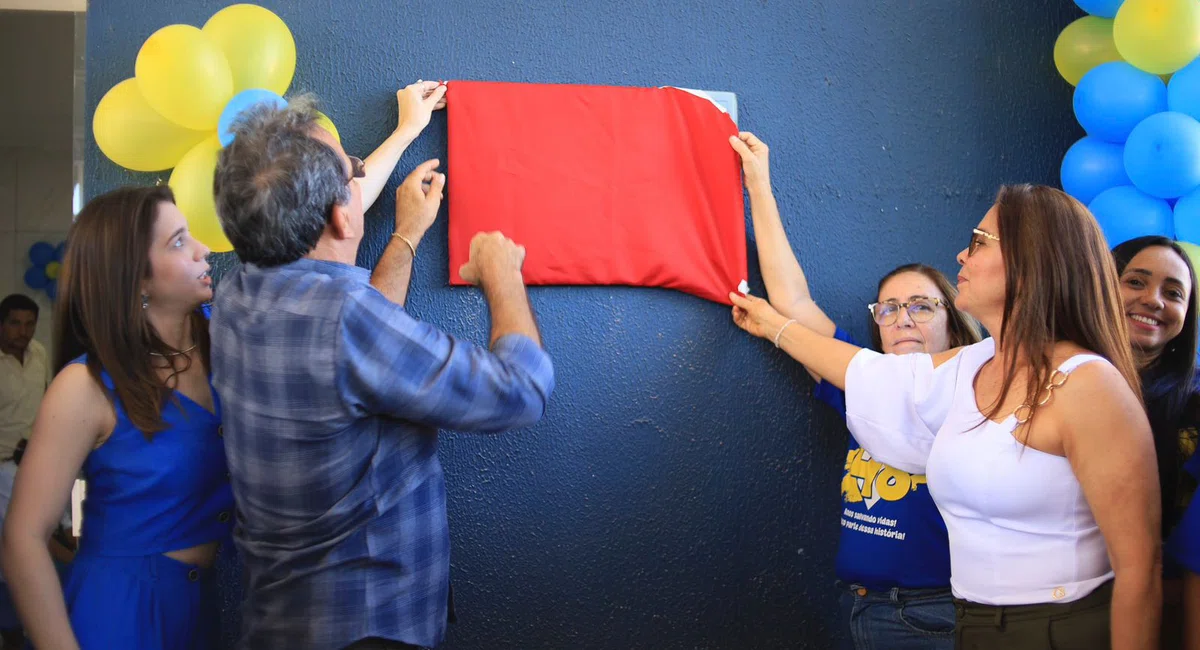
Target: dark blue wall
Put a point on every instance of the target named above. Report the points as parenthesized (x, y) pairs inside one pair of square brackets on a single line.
[(682, 491)]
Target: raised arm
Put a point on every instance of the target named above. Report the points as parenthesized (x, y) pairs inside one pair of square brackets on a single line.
[(787, 287), (392, 364), (895, 404), (416, 105), (417, 201), (823, 355), (72, 418)]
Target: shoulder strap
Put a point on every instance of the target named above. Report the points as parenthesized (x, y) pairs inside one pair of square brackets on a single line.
[(1078, 360)]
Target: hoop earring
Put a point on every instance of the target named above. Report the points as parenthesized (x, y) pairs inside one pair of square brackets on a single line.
[(145, 301)]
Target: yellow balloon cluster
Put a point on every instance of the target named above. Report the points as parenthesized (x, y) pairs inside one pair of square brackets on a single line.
[(1083, 45), (166, 115), (1157, 36)]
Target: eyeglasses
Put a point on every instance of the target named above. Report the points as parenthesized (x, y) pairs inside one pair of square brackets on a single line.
[(977, 237), (358, 168), (920, 310)]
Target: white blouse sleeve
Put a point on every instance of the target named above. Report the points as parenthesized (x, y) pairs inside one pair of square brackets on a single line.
[(895, 404)]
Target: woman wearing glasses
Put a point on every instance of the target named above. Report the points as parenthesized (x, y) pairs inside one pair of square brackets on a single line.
[(894, 577), (1035, 445)]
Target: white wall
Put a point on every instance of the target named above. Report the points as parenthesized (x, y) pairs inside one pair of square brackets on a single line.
[(36, 59), (45, 5), (35, 205)]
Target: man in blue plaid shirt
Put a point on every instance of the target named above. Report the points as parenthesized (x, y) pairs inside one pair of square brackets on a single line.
[(332, 394)]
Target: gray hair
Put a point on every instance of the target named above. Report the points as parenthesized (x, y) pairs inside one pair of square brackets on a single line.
[(275, 184)]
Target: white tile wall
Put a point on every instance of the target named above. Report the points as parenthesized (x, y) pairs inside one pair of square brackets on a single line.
[(35, 205), (8, 251), (8, 190), (43, 190)]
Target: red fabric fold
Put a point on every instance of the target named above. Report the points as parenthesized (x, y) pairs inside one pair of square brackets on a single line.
[(602, 185)]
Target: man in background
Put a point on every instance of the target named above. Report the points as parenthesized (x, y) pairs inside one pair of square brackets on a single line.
[(24, 371)]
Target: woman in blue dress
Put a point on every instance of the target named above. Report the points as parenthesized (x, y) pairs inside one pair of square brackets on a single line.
[(135, 411)]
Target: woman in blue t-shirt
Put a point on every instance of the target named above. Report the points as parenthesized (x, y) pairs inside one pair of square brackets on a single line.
[(893, 559), (1157, 283)]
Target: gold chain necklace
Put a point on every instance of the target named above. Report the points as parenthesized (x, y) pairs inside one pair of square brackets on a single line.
[(175, 354)]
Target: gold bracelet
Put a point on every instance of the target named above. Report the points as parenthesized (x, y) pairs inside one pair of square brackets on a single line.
[(406, 241)]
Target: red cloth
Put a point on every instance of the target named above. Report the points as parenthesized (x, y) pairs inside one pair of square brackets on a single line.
[(602, 185)]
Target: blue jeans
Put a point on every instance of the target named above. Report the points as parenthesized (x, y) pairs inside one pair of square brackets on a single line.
[(898, 619)]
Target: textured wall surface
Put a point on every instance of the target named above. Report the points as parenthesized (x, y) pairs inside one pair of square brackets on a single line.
[(682, 491)]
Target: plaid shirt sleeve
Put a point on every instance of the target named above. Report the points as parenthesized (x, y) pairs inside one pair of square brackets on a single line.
[(392, 364)]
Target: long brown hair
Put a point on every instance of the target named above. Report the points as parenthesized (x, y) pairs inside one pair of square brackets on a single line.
[(962, 328), (1169, 383), (1061, 285), (99, 309)]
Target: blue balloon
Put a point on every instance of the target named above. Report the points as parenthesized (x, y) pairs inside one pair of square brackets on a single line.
[(1162, 155), (1112, 98), (41, 254), (52, 289), (1126, 212), (239, 103), (59, 250), (1101, 8), (1092, 166), (36, 278), (1187, 217), (1183, 93)]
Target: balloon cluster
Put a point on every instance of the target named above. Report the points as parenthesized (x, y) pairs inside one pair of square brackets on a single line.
[(189, 85), (46, 261), (1136, 74)]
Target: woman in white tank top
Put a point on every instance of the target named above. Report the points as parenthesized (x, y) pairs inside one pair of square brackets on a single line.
[(1035, 446)]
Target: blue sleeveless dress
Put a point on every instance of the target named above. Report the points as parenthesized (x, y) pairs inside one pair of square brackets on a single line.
[(145, 498)]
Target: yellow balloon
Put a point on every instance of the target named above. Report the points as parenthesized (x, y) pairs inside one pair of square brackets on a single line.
[(324, 122), (192, 182), (258, 46), (1193, 252), (52, 270), (135, 136), (1158, 36), (1083, 45), (184, 76)]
